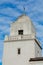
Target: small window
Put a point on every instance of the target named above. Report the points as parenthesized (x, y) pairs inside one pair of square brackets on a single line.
[(18, 50), (20, 32)]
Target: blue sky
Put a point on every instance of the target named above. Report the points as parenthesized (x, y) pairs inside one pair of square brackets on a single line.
[(10, 10)]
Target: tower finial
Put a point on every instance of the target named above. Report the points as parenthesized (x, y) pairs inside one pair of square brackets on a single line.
[(24, 10)]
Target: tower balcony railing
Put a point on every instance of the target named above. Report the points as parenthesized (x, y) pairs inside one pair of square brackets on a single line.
[(20, 37)]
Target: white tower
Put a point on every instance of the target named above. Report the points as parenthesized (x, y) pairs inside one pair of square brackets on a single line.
[(21, 44)]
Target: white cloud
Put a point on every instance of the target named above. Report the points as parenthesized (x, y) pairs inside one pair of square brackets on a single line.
[(5, 20), (10, 12)]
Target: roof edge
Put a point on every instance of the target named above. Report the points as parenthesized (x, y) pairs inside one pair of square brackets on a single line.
[(38, 43), (36, 59)]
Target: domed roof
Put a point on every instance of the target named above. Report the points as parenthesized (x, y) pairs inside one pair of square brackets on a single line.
[(23, 18), (22, 23)]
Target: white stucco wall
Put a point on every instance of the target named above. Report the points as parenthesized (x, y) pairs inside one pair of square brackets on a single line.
[(11, 57), (21, 26), (37, 50)]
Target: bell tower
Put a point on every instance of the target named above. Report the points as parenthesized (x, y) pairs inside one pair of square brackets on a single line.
[(21, 44)]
